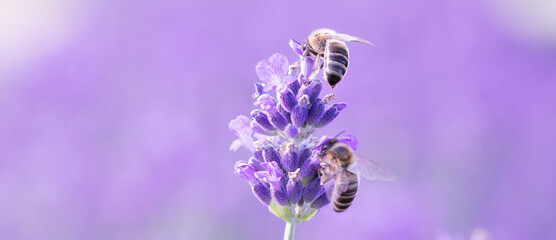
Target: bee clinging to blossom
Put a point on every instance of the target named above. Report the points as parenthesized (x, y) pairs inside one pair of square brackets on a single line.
[(328, 44), (340, 171)]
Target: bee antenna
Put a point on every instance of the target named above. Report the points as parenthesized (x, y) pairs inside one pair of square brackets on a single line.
[(339, 134), (296, 41)]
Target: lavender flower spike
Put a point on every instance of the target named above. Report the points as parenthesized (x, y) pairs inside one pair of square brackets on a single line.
[(283, 165)]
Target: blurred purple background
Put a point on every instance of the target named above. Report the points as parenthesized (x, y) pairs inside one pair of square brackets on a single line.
[(113, 117)]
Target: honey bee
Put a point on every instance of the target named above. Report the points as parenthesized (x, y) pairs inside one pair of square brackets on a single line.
[(340, 171), (326, 43)]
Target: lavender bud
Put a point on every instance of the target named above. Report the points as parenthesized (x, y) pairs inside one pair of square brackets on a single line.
[(294, 189), (262, 193), (290, 161), (309, 167), (301, 202), (291, 131), (330, 114), (294, 87), (316, 112), (271, 155), (284, 112), (299, 114), (312, 190), (262, 119), (255, 163), (307, 68), (304, 154), (258, 129), (320, 201), (277, 119), (279, 196), (312, 90), (288, 100)]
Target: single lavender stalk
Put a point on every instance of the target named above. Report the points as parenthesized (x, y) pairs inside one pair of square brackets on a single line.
[(282, 170)]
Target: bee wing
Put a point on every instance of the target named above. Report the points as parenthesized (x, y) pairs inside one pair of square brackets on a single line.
[(346, 38), (336, 185), (370, 170)]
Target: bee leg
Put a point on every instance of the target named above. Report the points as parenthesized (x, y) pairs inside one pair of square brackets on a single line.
[(316, 70), (330, 97), (295, 65)]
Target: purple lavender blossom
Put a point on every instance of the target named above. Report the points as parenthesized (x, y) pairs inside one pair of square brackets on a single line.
[(282, 171)]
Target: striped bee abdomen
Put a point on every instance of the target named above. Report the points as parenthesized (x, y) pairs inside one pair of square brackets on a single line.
[(336, 61), (343, 200)]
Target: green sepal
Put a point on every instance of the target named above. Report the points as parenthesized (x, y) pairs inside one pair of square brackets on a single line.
[(282, 212), (308, 215), (305, 181)]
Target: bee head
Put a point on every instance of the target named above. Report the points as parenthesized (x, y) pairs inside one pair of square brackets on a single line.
[(328, 144)]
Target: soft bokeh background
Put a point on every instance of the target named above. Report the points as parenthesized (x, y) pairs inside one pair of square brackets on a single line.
[(113, 117)]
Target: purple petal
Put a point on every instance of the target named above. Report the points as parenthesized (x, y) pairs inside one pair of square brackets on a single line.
[(296, 47), (255, 163), (272, 72), (240, 127), (265, 101), (259, 90), (350, 140), (246, 171), (279, 63), (271, 175), (258, 154)]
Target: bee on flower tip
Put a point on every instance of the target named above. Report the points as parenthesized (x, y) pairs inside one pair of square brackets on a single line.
[(327, 44), (340, 171)]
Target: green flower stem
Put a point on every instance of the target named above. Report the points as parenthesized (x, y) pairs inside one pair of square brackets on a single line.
[(289, 231)]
